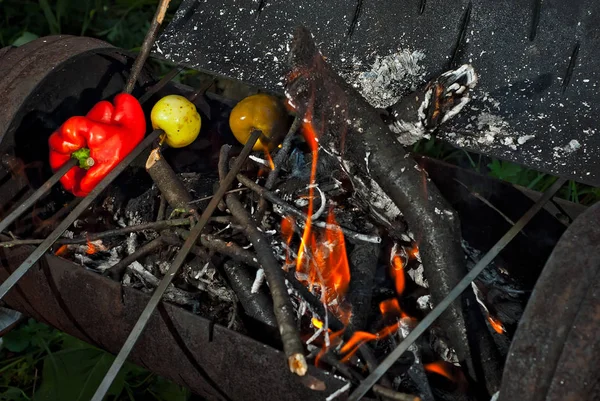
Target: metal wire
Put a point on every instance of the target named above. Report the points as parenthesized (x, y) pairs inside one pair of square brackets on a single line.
[(62, 227), (37, 195), (366, 384), (140, 325)]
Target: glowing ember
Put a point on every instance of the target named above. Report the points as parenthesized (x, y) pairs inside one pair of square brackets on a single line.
[(391, 307), (397, 273), (91, 248), (496, 325), (317, 323), (441, 368), (62, 250)]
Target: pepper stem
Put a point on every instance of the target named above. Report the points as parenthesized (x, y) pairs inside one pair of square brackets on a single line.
[(83, 156)]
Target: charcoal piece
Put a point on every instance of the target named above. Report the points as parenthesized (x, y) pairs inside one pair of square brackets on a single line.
[(256, 305), (143, 208), (363, 264), (395, 185)]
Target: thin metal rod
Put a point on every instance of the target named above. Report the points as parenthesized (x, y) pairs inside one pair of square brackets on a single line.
[(140, 325), (160, 84), (37, 195), (366, 384), (80, 208)]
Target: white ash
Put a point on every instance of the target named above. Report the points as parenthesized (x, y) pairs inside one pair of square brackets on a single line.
[(112, 260), (131, 243), (163, 266), (424, 303), (173, 294), (569, 148), (440, 347), (258, 281), (379, 201), (390, 77), (495, 396), (408, 133), (418, 276), (68, 234)]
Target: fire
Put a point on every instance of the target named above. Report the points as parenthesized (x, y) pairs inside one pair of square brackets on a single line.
[(496, 324), (317, 323), (441, 368), (390, 309), (91, 248), (397, 273), (287, 231), (62, 250), (269, 158)]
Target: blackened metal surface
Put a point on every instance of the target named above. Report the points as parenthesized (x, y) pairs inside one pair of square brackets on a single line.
[(538, 62), (556, 348), (213, 361)]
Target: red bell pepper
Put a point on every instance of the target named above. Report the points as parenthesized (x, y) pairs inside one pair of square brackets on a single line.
[(100, 140)]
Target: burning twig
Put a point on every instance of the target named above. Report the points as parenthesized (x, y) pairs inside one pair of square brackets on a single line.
[(149, 39), (288, 209), (284, 311), (383, 174)]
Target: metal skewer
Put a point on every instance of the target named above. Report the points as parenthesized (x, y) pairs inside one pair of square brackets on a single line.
[(39, 193), (366, 384), (140, 325)]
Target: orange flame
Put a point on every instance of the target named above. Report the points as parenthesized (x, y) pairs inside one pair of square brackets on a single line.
[(317, 323), (330, 268), (287, 231), (269, 158), (91, 248), (389, 309), (334, 339), (496, 325), (62, 250), (397, 273), (442, 368)]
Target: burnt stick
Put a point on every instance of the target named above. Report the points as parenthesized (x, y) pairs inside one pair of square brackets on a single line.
[(258, 305), (147, 44), (288, 209), (155, 225), (116, 272), (363, 263), (167, 181), (385, 176), (282, 305), (141, 323)]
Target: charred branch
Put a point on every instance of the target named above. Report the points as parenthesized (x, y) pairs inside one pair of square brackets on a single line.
[(256, 304), (363, 263), (385, 176), (167, 181), (282, 305)]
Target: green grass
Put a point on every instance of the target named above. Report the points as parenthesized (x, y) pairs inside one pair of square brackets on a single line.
[(43, 364)]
